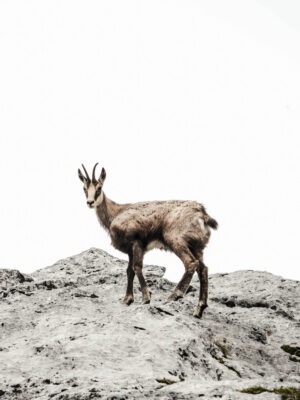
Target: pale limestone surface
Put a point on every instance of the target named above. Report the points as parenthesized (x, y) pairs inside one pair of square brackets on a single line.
[(64, 334)]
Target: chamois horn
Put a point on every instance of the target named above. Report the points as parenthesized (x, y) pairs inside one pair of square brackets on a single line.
[(86, 174), (93, 176)]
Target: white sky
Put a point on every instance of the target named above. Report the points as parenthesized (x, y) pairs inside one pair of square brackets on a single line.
[(177, 99)]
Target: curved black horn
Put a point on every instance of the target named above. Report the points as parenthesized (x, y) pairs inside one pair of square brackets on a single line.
[(87, 175), (93, 176)]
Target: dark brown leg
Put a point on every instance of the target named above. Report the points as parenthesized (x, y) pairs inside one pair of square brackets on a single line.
[(138, 255), (190, 264), (202, 271), (128, 299)]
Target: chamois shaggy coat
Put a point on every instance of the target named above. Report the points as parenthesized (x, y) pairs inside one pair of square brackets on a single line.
[(153, 223), (182, 227)]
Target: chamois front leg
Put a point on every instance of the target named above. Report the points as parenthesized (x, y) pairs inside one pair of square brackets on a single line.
[(138, 255), (128, 299)]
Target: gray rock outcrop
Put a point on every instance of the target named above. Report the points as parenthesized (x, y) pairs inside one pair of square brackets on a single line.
[(66, 335)]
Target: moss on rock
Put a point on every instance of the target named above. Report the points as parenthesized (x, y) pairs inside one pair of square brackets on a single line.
[(293, 350), (287, 393)]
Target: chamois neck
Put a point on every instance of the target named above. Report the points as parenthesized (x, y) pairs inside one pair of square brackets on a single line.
[(107, 211)]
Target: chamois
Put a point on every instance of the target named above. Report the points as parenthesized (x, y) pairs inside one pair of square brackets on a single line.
[(182, 227)]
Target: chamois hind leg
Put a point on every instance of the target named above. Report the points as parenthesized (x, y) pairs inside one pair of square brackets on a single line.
[(138, 254), (128, 299), (182, 250), (202, 272)]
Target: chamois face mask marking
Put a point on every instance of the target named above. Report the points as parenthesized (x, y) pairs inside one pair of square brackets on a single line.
[(92, 187)]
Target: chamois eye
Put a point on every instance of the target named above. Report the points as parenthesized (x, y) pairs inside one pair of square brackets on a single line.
[(98, 191)]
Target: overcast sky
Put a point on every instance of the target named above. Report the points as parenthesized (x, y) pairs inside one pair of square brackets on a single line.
[(176, 99)]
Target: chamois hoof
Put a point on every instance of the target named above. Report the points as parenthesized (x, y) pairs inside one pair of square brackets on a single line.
[(175, 296), (146, 297), (199, 310), (128, 300)]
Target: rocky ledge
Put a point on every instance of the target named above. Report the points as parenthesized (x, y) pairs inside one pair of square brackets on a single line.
[(66, 335)]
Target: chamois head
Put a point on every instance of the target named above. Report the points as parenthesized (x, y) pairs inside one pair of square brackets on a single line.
[(92, 187)]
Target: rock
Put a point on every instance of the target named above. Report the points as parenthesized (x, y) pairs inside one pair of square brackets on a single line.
[(65, 334)]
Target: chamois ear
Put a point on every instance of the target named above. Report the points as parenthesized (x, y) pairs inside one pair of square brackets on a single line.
[(102, 175), (80, 175)]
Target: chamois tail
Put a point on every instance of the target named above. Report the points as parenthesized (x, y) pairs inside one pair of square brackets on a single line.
[(210, 222)]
